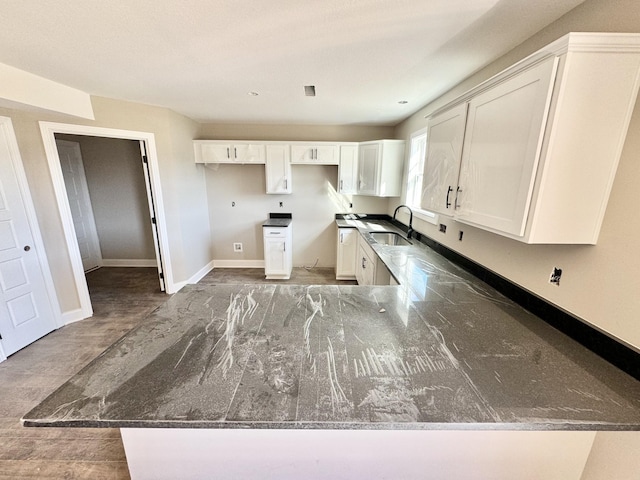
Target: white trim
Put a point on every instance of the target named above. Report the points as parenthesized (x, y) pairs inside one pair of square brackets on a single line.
[(3, 357), (200, 274), (73, 316), (426, 216), (48, 131), (129, 262), (238, 264), (21, 177), (19, 86)]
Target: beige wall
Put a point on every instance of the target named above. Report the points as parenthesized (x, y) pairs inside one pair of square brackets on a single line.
[(313, 203), (115, 178), (600, 284), (182, 184)]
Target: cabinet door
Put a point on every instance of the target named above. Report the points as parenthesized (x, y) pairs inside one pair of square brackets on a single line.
[(347, 253), (248, 153), (502, 146), (214, 152), (320, 154), (278, 169), (445, 134), (275, 256), (368, 169), (348, 170), (327, 154), (365, 264)]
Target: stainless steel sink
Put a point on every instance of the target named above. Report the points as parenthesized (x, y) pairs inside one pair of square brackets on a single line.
[(390, 238)]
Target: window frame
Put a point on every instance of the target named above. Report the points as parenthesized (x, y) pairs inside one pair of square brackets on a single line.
[(424, 215)]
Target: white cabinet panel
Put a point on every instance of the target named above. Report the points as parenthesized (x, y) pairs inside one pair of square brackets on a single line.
[(278, 169), (347, 253), (501, 150), (543, 139), (322, 154), (380, 168), (278, 252), (214, 151), (366, 263), (445, 134), (348, 170)]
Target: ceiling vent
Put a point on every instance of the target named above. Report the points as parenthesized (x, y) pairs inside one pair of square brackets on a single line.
[(310, 90)]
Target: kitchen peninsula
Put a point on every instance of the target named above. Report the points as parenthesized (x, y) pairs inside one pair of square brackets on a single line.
[(442, 351)]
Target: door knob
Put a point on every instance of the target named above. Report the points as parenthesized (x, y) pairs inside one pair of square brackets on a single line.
[(27, 248)]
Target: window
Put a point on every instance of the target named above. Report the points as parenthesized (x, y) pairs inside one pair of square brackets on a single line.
[(415, 173)]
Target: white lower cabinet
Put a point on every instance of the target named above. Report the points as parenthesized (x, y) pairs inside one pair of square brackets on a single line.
[(369, 269), (278, 252), (347, 253)]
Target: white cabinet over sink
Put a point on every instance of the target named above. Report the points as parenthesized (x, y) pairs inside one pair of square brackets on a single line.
[(541, 142)]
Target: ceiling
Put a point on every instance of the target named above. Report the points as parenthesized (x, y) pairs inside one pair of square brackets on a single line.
[(201, 58)]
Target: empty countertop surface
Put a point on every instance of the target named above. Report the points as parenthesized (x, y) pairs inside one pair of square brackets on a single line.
[(442, 350)]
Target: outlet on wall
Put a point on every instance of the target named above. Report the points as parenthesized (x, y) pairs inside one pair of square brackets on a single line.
[(237, 247), (556, 273)]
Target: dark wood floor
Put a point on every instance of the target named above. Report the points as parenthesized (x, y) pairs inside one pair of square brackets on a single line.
[(121, 299)]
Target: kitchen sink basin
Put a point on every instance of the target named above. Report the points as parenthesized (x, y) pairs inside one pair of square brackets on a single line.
[(390, 238)]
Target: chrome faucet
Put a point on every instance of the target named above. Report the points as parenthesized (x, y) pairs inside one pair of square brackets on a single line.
[(410, 231)]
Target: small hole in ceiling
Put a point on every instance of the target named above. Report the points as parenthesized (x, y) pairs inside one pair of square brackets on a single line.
[(310, 90)]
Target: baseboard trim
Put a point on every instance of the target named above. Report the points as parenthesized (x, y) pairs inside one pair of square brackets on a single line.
[(625, 357), (200, 274), (238, 264), (73, 316), (129, 262)]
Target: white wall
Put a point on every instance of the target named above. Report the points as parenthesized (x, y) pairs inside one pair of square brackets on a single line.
[(600, 284)]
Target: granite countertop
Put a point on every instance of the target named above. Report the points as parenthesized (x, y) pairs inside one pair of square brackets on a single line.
[(278, 220), (441, 351)]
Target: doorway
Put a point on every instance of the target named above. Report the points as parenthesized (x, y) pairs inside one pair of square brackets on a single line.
[(148, 163)]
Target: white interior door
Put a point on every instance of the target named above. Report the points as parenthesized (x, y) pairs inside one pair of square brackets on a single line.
[(84, 222), (26, 312)]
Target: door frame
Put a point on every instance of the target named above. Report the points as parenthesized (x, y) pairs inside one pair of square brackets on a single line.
[(48, 131), (16, 159)]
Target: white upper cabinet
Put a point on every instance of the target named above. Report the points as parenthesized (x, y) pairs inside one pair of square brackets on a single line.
[(317, 153), (278, 169), (445, 133), (502, 145), (348, 169), (542, 141), (380, 167), (214, 151)]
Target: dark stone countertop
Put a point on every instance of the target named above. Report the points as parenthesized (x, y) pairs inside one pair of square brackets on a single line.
[(441, 351), (277, 222)]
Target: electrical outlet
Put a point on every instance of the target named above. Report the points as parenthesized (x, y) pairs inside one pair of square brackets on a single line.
[(554, 278), (443, 228), (460, 234), (237, 247), (281, 204)]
